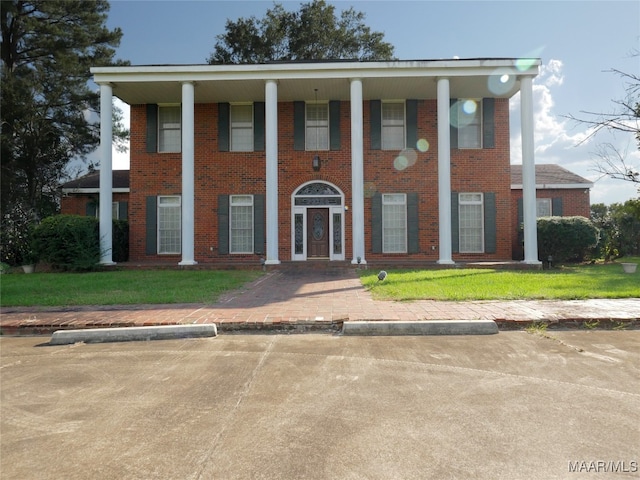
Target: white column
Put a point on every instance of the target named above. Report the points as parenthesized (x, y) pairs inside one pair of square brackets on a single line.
[(271, 150), (444, 172), (528, 172), (357, 172), (188, 189), (106, 179)]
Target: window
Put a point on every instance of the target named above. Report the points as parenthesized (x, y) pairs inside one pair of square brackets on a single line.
[(115, 210), (470, 214), (241, 128), (241, 223), (543, 207), (317, 126), (469, 112), (169, 224), (393, 135), (394, 223), (169, 131)]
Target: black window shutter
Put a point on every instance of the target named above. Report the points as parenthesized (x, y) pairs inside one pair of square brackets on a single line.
[(299, 126), (488, 123), (223, 224), (556, 207), (455, 223), (258, 127), (224, 111), (490, 233), (90, 209), (376, 223), (152, 226), (258, 224), (413, 236), (453, 122), (375, 123), (334, 125), (123, 208), (152, 128), (520, 213), (412, 123)]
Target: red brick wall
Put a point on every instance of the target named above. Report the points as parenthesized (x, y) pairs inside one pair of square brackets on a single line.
[(244, 173), (76, 203)]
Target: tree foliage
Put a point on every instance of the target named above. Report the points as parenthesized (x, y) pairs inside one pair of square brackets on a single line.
[(619, 226), (314, 32), (47, 49)]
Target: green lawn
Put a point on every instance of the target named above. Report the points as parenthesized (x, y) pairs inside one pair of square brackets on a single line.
[(125, 287), (571, 282)]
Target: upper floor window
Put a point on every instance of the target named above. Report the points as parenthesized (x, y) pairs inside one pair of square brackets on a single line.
[(317, 126), (393, 122), (469, 112), (169, 129), (241, 119)]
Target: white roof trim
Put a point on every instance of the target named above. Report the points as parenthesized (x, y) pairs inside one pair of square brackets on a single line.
[(92, 190), (554, 186)]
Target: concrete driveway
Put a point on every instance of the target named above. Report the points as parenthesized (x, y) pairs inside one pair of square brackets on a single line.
[(322, 406)]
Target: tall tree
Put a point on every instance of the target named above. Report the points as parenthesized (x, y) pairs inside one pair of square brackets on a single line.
[(47, 49), (312, 33)]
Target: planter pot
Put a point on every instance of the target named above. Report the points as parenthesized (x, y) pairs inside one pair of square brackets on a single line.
[(28, 268), (629, 267)]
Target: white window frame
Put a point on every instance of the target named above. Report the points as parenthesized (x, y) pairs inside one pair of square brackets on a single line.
[(546, 204), (163, 209), (393, 123), (237, 127), (470, 200), (314, 127), (169, 127), (468, 120), (235, 203), (115, 210), (391, 215)]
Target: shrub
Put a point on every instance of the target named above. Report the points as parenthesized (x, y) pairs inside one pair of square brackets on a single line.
[(68, 242), (565, 238)]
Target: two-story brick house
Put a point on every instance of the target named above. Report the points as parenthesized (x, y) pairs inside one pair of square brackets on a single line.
[(341, 160)]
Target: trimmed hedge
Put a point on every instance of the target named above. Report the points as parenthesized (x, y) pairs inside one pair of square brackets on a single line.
[(566, 238)]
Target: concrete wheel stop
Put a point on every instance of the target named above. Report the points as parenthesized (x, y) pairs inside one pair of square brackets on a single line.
[(130, 334), (427, 327)]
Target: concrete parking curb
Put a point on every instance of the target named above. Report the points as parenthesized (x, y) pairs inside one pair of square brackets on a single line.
[(430, 327), (128, 334)]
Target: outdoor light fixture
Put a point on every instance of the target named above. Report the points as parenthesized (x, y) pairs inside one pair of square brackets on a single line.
[(315, 163)]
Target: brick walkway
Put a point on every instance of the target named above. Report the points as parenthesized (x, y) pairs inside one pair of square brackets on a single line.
[(294, 300)]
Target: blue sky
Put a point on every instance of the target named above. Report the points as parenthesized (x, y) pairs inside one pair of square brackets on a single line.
[(578, 42)]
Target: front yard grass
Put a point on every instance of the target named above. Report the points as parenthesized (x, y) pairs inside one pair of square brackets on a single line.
[(564, 283), (126, 287)]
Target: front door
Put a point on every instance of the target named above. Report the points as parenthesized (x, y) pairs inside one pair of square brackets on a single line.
[(318, 233)]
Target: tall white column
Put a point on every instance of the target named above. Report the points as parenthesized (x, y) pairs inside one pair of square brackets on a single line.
[(444, 172), (188, 161), (357, 171), (106, 179), (528, 172), (271, 150)]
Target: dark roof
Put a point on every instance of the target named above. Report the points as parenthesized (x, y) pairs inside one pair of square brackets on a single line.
[(549, 174), (120, 179)]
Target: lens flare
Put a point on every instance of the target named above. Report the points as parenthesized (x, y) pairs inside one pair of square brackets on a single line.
[(422, 145), (400, 163), (501, 82), (369, 189), (469, 107)]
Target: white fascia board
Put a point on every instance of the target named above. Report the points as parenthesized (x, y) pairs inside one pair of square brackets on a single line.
[(431, 68), (86, 191), (555, 186)]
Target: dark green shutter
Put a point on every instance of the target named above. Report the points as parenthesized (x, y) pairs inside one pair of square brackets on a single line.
[(223, 224), (453, 122), (334, 125), (152, 226), (224, 112), (375, 124), (91, 209), (152, 128), (455, 223), (490, 233), (376, 223), (258, 224), (299, 126), (258, 127), (556, 207), (123, 208), (412, 123), (413, 232), (520, 213), (488, 123)]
